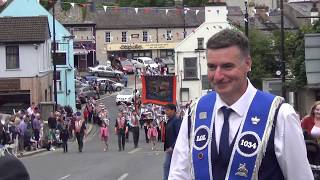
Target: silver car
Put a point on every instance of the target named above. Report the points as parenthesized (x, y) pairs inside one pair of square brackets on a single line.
[(105, 71)]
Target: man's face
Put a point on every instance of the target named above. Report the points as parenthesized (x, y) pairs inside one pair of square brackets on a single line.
[(227, 72), (169, 112)]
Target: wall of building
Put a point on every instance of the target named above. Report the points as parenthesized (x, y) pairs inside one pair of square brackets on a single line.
[(189, 48), (135, 36), (34, 59), (40, 87)]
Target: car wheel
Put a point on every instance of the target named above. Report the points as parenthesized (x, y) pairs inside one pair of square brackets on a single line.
[(118, 89), (118, 75), (96, 74)]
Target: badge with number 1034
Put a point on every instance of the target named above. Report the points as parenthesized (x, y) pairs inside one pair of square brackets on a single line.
[(248, 144)]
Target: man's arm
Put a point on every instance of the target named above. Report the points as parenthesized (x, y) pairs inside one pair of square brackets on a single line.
[(290, 147), (180, 163)]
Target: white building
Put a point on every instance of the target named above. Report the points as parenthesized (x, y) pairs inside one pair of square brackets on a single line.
[(190, 55), (25, 61)]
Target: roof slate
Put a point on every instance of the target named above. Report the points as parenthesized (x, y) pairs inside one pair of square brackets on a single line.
[(24, 29)]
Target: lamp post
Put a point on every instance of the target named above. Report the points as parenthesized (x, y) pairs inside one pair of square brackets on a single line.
[(282, 55), (135, 89), (54, 57), (246, 20)]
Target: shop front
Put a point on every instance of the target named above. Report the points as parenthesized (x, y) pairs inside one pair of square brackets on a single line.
[(134, 50)]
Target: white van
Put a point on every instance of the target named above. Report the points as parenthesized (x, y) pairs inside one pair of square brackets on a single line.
[(142, 62)]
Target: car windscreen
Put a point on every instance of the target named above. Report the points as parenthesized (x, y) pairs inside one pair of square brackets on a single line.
[(126, 92), (149, 62), (126, 63)]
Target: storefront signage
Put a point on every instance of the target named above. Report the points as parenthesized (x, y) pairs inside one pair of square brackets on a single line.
[(130, 46), (140, 46)]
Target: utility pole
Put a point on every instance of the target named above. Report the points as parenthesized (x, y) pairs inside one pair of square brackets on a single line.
[(246, 19), (282, 53), (184, 20), (54, 57)]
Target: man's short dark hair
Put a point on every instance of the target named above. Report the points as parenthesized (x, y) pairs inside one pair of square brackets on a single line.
[(227, 38), (171, 107)]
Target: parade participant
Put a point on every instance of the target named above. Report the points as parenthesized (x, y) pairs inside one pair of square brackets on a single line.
[(80, 131), (264, 139), (172, 128), (121, 129), (135, 128), (153, 136), (104, 135), (36, 124), (311, 123), (64, 137), (103, 115)]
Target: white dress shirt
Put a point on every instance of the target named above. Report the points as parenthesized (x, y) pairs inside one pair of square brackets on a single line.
[(289, 142)]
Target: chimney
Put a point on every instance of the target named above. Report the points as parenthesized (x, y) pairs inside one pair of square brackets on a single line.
[(216, 11)]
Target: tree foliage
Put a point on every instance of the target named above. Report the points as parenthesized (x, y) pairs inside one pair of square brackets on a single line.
[(263, 58), (295, 55)]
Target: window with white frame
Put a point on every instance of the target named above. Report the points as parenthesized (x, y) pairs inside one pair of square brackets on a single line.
[(145, 36), (124, 36), (200, 43), (59, 83), (12, 57), (169, 35), (190, 68), (108, 36)]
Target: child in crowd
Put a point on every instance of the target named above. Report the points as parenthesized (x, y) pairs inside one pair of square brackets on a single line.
[(153, 135), (104, 134), (64, 137)]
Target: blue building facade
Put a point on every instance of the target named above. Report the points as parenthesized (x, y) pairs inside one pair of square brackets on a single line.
[(65, 69)]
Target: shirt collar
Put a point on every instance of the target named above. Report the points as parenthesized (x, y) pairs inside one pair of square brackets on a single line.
[(240, 106)]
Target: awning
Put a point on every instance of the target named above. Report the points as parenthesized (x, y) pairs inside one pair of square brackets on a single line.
[(80, 51)]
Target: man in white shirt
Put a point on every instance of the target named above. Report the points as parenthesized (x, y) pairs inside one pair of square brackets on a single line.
[(245, 133)]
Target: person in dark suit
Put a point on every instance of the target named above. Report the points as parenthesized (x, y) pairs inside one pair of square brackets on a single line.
[(172, 128)]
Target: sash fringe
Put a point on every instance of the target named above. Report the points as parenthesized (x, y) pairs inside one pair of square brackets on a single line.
[(264, 142)]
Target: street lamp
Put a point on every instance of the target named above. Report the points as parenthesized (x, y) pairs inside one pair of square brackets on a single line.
[(282, 55), (246, 20), (54, 56)]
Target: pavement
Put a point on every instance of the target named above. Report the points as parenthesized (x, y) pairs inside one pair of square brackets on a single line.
[(30, 153)]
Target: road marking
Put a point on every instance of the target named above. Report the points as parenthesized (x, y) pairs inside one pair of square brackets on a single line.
[(106, 97), (65, 177), (135, 150), (123, 177)]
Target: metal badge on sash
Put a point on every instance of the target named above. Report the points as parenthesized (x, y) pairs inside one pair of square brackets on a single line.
[(255, 120), (203, 115), (242, 170)]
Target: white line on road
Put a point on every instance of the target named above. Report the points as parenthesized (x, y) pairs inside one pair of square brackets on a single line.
[(135, 150), (65, 177), (123, 177)]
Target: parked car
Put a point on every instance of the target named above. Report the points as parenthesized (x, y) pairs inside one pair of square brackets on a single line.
[(116, 85), (142, 62), (127, 66), (85, 93), (126, 96), (105, 71)]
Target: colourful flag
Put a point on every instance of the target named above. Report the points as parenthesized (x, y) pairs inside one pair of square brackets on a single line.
[(159, 89)]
